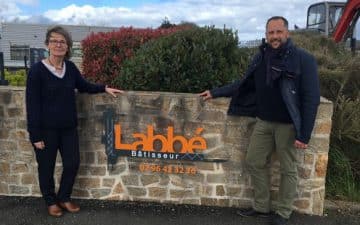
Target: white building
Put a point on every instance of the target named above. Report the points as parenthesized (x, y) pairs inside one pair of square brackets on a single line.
[(19, 39)]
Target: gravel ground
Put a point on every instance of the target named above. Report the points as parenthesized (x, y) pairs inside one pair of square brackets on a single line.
[(32, 211)]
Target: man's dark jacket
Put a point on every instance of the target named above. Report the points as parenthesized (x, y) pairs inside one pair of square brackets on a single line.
[(299, 85)]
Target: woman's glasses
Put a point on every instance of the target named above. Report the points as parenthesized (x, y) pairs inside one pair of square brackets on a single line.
[(57, 42)]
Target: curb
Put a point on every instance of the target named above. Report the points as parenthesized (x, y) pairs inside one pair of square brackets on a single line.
[(341, 205)]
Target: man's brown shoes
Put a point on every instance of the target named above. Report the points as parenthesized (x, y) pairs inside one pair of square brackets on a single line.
[(70, 206), (55, 210)]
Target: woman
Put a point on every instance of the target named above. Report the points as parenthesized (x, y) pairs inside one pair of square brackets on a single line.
[(52, 119)]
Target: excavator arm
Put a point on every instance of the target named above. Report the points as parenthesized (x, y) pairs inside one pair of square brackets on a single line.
[(348, 19)]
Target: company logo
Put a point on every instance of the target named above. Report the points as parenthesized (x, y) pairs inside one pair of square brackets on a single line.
[(158, 146), (150, 145)]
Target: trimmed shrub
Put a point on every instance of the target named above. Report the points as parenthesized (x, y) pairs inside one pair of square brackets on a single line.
[(187, 61), (17, 78), (104, 53)]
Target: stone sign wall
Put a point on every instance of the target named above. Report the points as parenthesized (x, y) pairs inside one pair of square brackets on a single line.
[(220, 178)]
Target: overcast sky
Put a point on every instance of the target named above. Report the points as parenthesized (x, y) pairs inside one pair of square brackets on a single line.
[(248, 17)]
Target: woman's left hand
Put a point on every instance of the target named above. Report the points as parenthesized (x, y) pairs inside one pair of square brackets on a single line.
[(113, 91)]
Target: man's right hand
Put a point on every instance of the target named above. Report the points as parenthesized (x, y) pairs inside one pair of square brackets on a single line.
[(206, 95), (39, 145)]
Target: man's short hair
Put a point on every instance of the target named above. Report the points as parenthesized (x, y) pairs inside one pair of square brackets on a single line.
[(286, 23)]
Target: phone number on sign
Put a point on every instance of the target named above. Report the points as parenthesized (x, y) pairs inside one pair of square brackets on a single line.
[(176, 169)]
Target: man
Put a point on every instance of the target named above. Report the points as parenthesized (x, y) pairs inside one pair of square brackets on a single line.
[(281, 89)]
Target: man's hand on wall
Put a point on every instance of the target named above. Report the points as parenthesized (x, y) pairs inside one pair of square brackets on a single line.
[(113, 91), (300, 145)]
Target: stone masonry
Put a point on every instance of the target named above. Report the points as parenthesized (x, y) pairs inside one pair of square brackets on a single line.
[(220, 180)]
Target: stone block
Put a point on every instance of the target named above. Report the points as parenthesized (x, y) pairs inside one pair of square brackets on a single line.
[(19, 190), (223, 202), (205, 166), (89, 158), (304, 173), (15, 112), (8, 145), (216, 178), (318, 202), (9, 123), (130, 180), (4, 190), (21, 124), (319, 144), (4, 168), (207, 116), (157, 192), (302, 204), (19, 168), (325, 111), (118, 189), (19, 135), (5, 97), (35, 190), (178, 181), (87, 183), (207, 190), (108, 182), (308, 159), (191, 201), (181, 194), (149, 179), (136, 191), (4, 134), (18, 98), (100, 193), (233, 191), (220, 191), (2, 112), (29, 179), (208, 201), (97, 170), (26, 146), (164, 179), (80, 193), (322, 127), (101, 158), (321, 165), (12, 179)]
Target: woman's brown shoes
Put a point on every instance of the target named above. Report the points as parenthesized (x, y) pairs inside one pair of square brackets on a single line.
[(55, 210), (70, 206)]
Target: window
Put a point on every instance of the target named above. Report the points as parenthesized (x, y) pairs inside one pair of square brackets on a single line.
[(316, 17), (335, 14), (17, 52)]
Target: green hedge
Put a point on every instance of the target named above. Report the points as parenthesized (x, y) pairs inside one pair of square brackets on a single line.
[(187, 61), (17, 78)]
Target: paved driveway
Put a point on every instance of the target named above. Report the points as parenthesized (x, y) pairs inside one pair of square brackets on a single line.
[(32, 211)]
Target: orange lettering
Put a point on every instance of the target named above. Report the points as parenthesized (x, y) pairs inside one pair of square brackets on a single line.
[(146, 142), (118, 144)]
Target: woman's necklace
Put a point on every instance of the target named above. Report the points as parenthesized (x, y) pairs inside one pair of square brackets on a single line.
[(56, 67)]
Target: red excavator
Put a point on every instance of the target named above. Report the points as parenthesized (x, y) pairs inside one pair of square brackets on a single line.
[(335, 19)]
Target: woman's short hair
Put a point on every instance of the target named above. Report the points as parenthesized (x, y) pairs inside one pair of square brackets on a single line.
[(60, 30)]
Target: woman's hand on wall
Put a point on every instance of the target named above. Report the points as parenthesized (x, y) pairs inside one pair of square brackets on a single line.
[(206, 95), (39, 145)]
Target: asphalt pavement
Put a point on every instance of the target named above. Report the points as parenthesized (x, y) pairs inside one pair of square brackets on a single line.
[(32, 211)]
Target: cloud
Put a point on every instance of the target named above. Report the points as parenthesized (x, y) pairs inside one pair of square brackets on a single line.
[(247, 17), (10, 11)]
